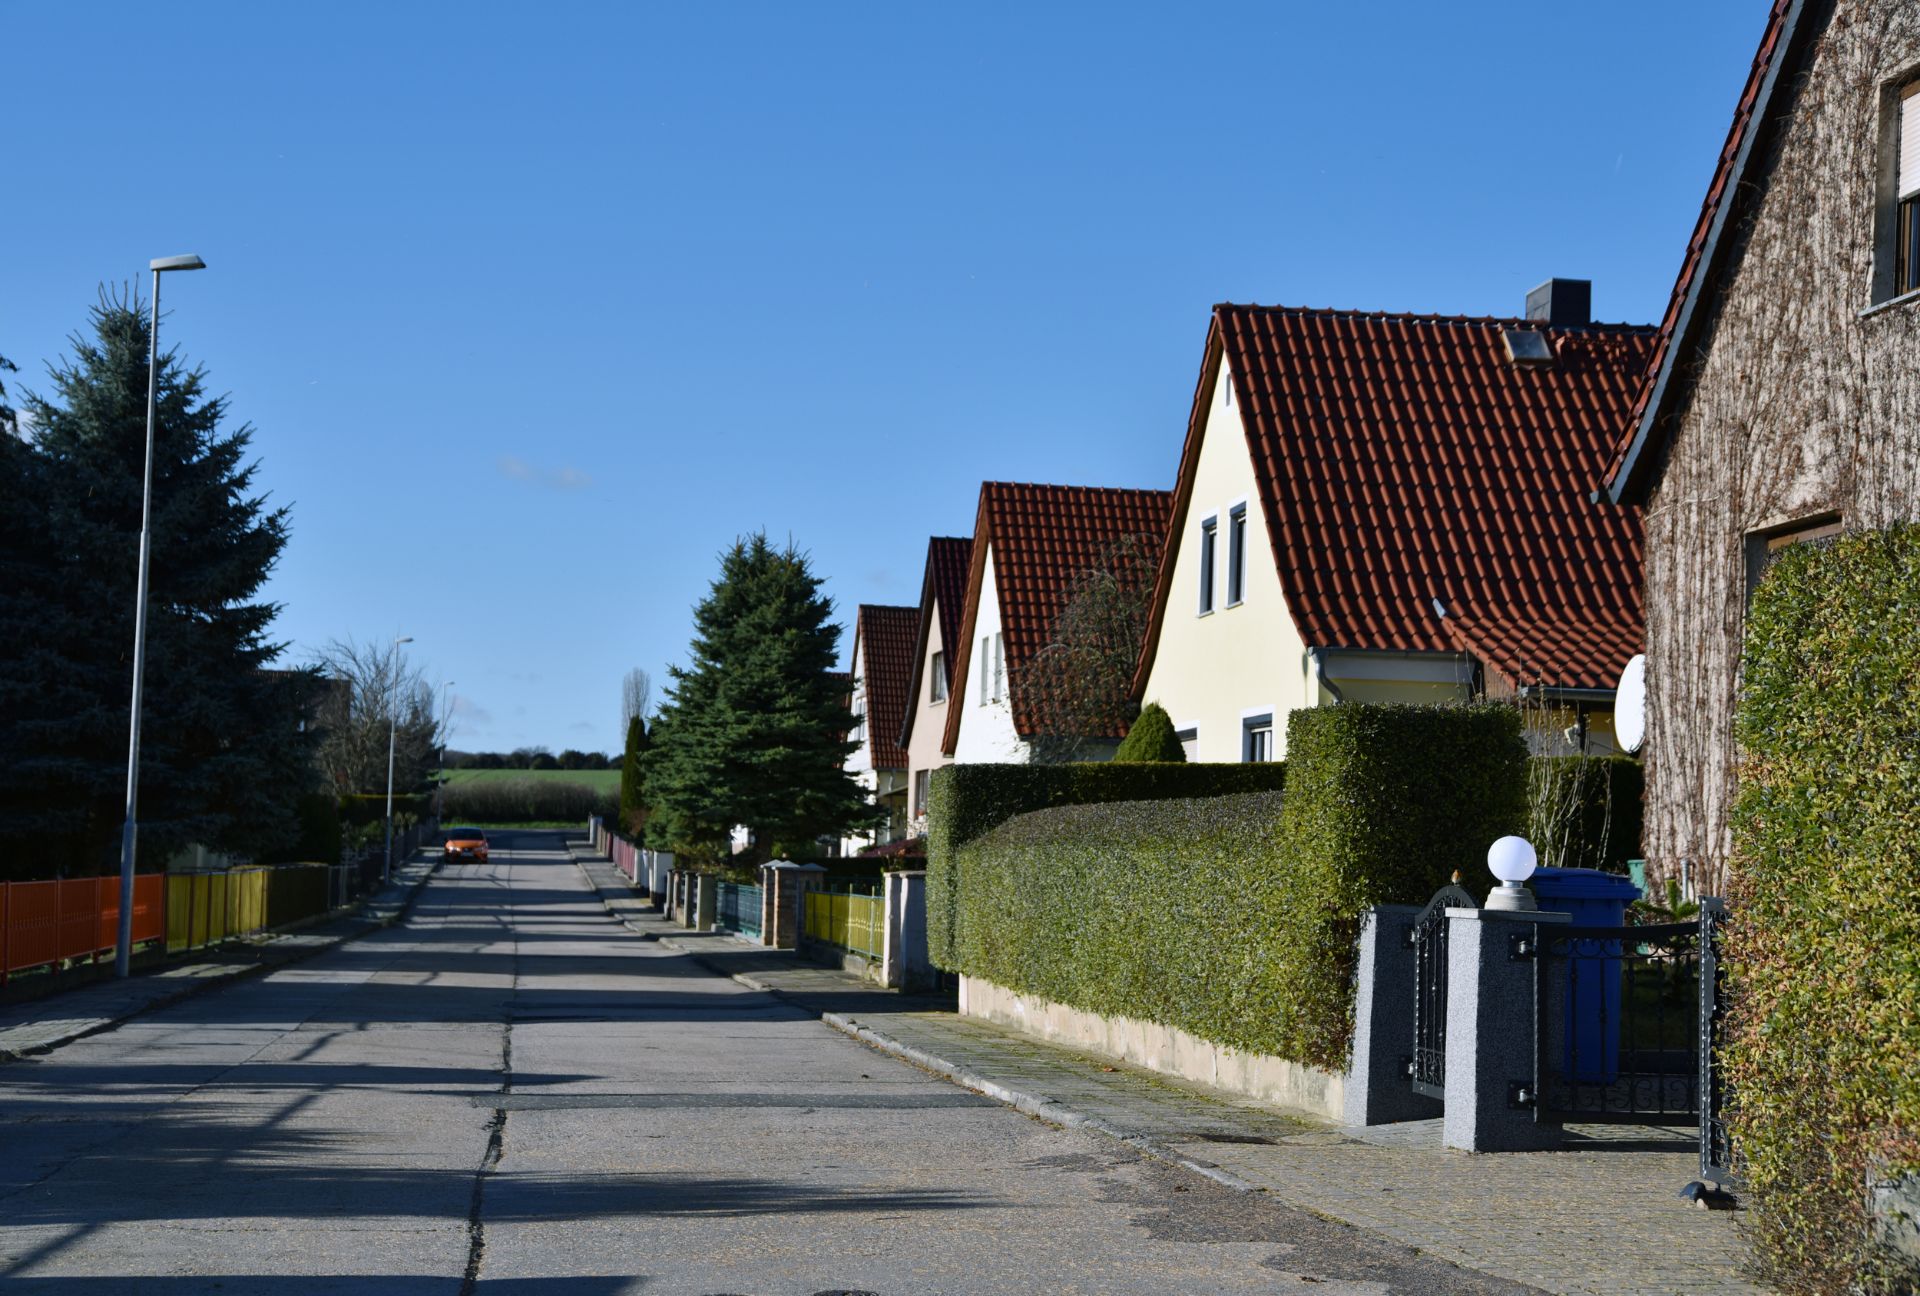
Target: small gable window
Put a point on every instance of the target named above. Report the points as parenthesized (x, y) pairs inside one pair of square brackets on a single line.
[(939, 668), (1237, 555), (1209, 532)]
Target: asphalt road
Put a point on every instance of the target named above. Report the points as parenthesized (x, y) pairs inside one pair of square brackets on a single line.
[(510, 1093)]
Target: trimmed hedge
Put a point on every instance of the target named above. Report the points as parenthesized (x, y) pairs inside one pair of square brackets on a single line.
[(507, 801), (1232, 917), (1823, 952), (1585, 811), (964, 801)]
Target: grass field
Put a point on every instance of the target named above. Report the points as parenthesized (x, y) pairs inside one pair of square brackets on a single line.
[(601, 780)]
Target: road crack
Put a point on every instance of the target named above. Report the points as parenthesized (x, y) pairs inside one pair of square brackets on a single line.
[(497, 1124)]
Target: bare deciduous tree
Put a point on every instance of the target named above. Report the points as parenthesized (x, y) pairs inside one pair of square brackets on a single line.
[(370, 687), (636, 696)]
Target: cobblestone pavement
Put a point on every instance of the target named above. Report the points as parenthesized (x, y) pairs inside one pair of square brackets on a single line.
[(1601, 1217), (40, 1024)]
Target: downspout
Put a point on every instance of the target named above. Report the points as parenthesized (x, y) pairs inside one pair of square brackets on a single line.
[(1318, 657)]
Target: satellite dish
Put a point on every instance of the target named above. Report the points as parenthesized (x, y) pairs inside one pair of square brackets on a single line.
[(1630, 704)]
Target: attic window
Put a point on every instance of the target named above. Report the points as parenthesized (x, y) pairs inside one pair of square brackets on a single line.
[(1528, 347)]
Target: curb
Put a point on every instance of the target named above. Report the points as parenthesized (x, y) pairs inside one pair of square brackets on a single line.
[(194, 989), (1037, 1106)]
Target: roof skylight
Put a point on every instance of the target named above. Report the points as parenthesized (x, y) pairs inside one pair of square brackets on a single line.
[(1528, 347)]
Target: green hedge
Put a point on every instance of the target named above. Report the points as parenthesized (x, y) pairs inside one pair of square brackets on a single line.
[(371, 807), (527, 800), (1585, 811), (964, 801), (1232, 917), (1824, 947)]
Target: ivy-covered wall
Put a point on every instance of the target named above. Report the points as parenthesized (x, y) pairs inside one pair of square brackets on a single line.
[(1233, 917), (1824, 947)]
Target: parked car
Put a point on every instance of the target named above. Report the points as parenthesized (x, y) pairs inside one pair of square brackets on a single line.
[(464, 843)]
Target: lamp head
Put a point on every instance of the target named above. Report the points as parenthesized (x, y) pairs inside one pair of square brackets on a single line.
[(160, 264), (1512, 859)]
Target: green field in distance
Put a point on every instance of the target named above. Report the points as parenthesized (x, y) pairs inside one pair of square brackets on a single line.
[(604, 780)]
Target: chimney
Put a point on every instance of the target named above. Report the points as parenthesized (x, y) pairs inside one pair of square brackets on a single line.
[(1563, 303)]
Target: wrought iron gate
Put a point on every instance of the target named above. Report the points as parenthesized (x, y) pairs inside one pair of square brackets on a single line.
[(1427, 1065)]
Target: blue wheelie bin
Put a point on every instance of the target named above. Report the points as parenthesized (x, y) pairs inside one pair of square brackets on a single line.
[(1594, 899)]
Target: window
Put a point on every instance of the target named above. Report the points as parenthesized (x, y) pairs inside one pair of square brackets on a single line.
[(859, 730), (1256, 738), (1189, 740), (939, 667), (1765, 546), (1237, 555), (993, 668), (1208, 529), (922, 784), (1906, 258)]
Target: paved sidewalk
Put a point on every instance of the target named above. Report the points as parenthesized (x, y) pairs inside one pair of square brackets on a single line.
[(1601, 1217), (64, 1016)]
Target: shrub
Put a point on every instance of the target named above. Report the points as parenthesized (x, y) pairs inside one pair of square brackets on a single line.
[(1585, 811), (500, 801), (1233, 917), (1823, 952), (964, 801), (371, 807), (319, 839), (1152, 738)]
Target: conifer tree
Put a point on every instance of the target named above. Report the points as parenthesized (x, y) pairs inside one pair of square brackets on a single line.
[(633, 806), (753, 729), (223, 758), (1152, 738)]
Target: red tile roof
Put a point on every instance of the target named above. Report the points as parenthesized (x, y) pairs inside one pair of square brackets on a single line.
[(1566, 648), (1404, 459), (883, 640), (1041, 538), (1696, 266), (944, 586)]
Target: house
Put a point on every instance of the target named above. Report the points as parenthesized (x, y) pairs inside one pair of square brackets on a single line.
[(880, 676), (1397, 508), (943, 596), (1782, 402), (1030, 542)]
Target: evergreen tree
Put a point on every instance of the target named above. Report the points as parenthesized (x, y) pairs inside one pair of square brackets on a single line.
[(633, 783), (223, 755), (753, 730), (1152, 738)]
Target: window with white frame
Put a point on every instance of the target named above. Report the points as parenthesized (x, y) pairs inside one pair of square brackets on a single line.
[(1209, 532), (993, 668), (938, 665), (1237, 555), (859, 731), (922, 784), (1256, 738), (1906, 193)]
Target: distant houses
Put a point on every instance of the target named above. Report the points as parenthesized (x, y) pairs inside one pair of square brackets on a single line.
[(881, 675), (943, 598)]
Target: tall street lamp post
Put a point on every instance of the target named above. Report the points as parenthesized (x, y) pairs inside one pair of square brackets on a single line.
[(446, 725), (393, 728), (129, 833)]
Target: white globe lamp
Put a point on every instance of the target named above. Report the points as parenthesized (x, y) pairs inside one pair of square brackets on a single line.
[(1512, 860)]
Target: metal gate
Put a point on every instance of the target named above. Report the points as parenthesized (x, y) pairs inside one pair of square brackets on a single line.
[(1716, 1144), (1427, 1066), (1619, 1023)]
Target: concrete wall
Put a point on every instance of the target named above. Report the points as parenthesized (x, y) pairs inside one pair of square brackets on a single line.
[(986, 730), (1160, 1048)]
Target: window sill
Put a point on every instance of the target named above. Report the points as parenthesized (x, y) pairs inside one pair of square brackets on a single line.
[(1891, 303), (1205, 613), (1236, 603)]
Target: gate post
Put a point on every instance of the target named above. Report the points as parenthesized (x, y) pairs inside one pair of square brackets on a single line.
[(706, 899), (1492, 1032), (1376, 1090)]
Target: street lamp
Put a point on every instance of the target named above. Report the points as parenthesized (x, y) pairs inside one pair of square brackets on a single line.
[(123, 948), (446, 725), (393, 727), (1512, 860)]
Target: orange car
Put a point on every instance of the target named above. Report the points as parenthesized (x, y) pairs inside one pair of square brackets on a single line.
[(465, 843)]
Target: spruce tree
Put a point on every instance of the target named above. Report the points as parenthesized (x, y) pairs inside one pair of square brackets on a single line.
[(223, 758), (1152, 738), (753, 729)]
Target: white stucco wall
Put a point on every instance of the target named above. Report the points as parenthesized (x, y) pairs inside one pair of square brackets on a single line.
[(929, 717), (986, 730), (1211, 671), (861, 758)]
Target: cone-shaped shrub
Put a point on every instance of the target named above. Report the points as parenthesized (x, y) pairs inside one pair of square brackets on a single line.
[(1151, 738)]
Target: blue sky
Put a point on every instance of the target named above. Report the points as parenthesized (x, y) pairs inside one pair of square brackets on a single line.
[(536, 307)]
